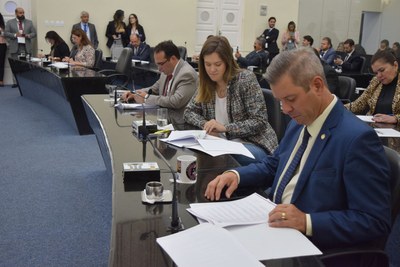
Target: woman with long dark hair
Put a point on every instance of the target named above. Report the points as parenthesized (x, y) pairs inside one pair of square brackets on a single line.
[(3, 49), (133, 27), (116, 28), (59, 49)]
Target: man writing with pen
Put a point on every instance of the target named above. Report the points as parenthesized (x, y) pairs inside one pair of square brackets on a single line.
[(382, 97), (174, 88)]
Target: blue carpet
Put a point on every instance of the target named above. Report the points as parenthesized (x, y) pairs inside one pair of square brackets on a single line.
[(55, 196)]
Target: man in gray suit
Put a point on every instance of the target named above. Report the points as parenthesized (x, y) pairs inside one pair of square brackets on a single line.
[(87, 27), (176, 86), (19, 33)]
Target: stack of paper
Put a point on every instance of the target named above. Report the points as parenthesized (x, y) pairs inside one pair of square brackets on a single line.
[(211, 145), (246, 233)]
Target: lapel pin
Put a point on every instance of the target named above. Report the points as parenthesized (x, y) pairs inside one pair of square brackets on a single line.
[(322, 136)]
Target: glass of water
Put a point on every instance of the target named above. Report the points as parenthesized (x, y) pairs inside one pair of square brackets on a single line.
[(162, 117)]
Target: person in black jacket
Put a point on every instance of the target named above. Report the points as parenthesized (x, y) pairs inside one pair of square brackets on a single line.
[(133, 27), (271, 35), (116, 28), (59, 49)]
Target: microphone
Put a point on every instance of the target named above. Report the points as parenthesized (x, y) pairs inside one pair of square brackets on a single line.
[(176, 223)]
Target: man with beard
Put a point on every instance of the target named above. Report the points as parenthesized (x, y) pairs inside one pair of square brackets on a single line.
[(19, 33)]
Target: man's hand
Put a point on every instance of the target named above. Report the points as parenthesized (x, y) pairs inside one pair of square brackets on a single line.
[(288, 216), (127, 97), (214, 188)]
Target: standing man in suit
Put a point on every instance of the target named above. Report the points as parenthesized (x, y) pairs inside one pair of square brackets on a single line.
[(352, 62), (258, 57), (326, 52), (88, 28), (141, 51), (19, 33), (271, 35), (176, 86), (337, 192)]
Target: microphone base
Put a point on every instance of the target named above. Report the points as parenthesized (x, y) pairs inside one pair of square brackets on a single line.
[(175, 229)]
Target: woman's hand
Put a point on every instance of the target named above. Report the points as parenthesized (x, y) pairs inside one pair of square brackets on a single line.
[(383, 118), (214, 126)]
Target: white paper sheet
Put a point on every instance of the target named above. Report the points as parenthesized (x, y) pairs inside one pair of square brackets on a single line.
[(253, 209), (366, 118), (267, 243), (206, 245), (387, 132)]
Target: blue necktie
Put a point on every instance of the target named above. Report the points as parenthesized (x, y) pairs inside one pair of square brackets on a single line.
[(85, 28), (292, 167)]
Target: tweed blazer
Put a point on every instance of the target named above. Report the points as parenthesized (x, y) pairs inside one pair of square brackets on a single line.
[(366, 103), (247, 113)]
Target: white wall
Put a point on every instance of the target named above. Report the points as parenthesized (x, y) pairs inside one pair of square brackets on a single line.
[(390, 28), (339, 19)]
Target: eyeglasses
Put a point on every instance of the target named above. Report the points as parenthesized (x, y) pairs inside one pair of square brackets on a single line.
[(160, 64)]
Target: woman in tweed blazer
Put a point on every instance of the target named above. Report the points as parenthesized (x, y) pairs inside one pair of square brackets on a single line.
[(229, 102), (382, 97)]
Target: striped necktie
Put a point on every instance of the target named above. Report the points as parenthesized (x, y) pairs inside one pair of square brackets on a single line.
[(292, 167)]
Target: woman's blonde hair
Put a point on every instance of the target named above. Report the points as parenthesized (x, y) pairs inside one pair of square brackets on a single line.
[(221, 46)]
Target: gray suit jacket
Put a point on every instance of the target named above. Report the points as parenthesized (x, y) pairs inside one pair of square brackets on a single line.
[(183, 87), (12, 29), (93, 33)]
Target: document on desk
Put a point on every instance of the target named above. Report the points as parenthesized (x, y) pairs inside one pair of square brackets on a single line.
[(387, 132), (366, 118), (253, 209), (207, 245), (211, 145)]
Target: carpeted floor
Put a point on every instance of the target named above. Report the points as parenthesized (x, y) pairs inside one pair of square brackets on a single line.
[(55, 196)]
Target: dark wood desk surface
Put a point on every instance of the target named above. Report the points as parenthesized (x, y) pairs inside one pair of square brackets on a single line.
[(59, 90), (136, 226)]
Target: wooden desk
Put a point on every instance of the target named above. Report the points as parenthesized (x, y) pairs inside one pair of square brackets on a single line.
[(135, 226), (59, 90)]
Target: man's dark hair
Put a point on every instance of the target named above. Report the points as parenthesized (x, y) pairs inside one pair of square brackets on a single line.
[(349, 42), (271, 18), (169, 48), (309, 39)]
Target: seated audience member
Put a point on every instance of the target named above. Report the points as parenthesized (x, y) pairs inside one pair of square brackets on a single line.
[(321, 192), (384, 45), (141, 51), (340, 47), (352, 62), (176, 86), (133, 27), (326, 52), (290, 38), (229, 102), (85, 53), (88, 28), (382, 97), (258, 57), (308, 41), (59, 49), (396, 50), (332, 78)]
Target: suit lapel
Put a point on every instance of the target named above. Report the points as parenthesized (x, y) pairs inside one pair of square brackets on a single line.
[(322, 139)]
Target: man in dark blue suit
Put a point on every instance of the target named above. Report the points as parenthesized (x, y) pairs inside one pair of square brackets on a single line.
[(258, 57), (141, 51), (338, 195), (353, 61), (326, 52)]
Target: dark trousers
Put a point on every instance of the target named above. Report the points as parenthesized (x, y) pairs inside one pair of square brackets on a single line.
[(3, 50)]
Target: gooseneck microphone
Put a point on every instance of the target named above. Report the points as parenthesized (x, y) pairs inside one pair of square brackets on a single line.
[(176, 224)]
